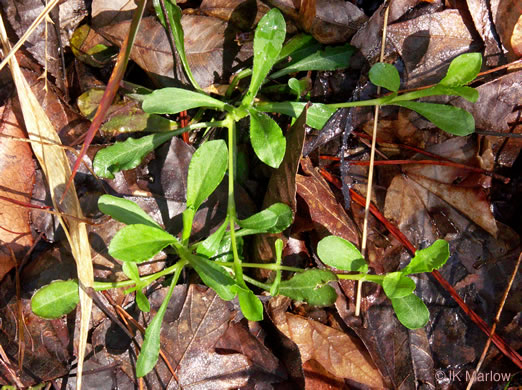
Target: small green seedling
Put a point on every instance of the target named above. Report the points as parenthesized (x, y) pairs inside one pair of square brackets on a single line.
[(218, 259)]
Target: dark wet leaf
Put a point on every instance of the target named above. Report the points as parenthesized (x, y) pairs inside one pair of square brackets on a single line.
[(324, 207), (311, 287), (56, 299)]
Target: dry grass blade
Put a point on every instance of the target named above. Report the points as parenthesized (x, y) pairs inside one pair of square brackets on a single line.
[(55, 166)]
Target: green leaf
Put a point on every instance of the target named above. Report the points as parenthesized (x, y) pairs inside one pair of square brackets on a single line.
[(341, 254), (206, 170), (411, 311), (174, 100), (267, 138), (397, 285), (385, 75), (453, 120), (250, 304), (467, 93), (463, 70), (210, 245), (428, 259), (296, 44), (331, 58), (131, 271), (316, 116), (310, 286), (295, 85), (127, 154), (174, 15), (214, 276), (151, 343), (55, 299), (141, 300), (268, 41), (273, 219), (125, 211), (138, 243)]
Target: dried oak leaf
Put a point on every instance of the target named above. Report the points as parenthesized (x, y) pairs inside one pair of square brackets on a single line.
[(16, 183), (210, 46), (340, 354), (507, 16), (324, 207)]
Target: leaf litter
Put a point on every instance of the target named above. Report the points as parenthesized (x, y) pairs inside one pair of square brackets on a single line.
[(205, 338)]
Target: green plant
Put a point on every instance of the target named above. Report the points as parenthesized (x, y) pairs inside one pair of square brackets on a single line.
[(142, 238)]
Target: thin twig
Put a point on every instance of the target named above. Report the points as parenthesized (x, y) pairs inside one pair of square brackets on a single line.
[(495, 322), (370, 173)]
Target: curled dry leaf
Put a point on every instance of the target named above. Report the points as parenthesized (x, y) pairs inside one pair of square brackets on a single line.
[(16, 183), (340, 354), (507, 15)]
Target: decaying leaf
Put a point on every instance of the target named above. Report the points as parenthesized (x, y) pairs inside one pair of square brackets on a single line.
[(340, 354), (16, 182), (428, 43), (243, 14), (209, 44), (506, 15), (324, 207)]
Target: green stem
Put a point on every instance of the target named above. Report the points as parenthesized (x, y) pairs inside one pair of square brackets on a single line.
[(99, 286), (365, 277), (231, 209), (256, 283), (270, 266)]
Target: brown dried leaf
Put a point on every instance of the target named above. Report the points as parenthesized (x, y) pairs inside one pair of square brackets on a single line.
[(211, 50), (507, 19), (324, 207), (497, 108), (16, 182), (334, 21), (243, 13), (480, 11), (65, 17), (428, 43), (340, 354)]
